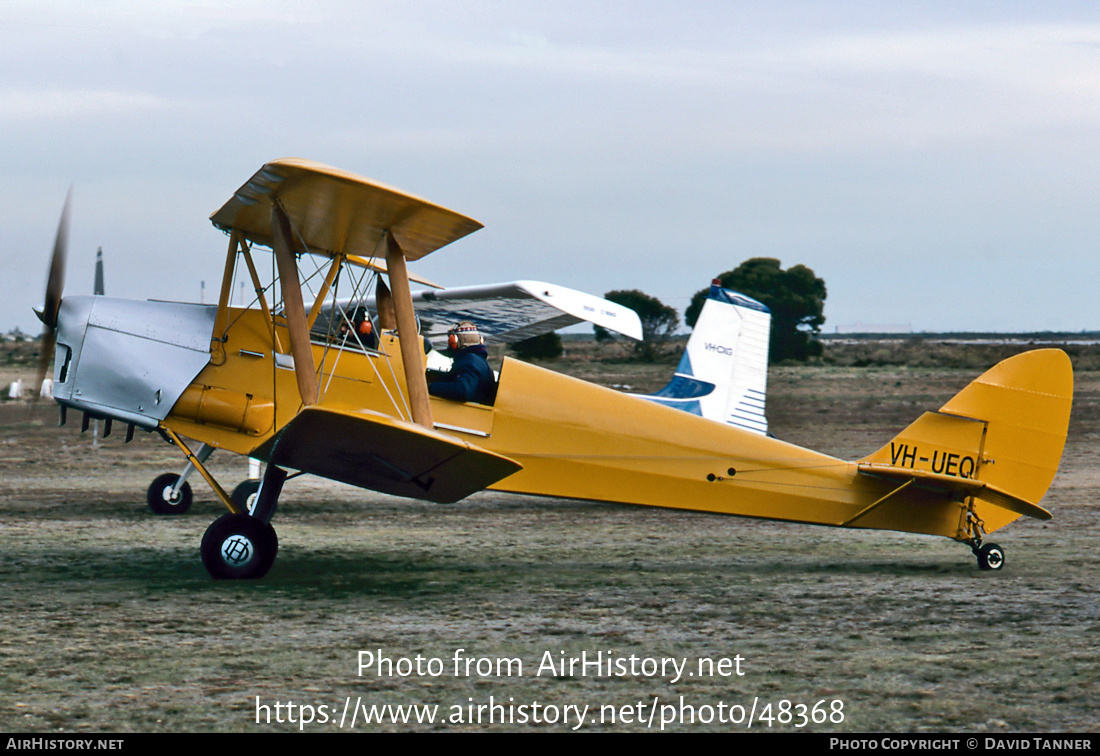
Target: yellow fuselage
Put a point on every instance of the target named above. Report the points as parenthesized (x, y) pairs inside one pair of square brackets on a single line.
[(573, 439)]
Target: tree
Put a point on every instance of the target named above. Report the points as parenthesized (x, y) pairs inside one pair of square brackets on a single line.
[(796, 298), (659, 322), (545, 346)]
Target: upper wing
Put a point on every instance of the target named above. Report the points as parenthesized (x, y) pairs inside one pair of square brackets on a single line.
[(511, 312), (378, 265), (336, 211)]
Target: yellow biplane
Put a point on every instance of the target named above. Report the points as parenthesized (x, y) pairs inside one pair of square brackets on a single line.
[(280, 381)]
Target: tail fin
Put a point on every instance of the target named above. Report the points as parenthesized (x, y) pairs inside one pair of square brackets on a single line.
[(723, 374), (1000, 439)]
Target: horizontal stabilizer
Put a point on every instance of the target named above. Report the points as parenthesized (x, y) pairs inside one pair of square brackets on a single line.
[(958, 487)]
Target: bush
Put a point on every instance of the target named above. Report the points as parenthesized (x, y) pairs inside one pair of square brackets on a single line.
[(546, 346)]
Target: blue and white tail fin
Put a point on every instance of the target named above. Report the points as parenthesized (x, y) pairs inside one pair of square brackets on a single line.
[(723, 374)]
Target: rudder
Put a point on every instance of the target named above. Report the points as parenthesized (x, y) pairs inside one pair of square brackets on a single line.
[(1006, 431), (723, 373), (1026, 403)]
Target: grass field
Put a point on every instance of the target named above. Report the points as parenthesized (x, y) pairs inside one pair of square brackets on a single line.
[(111, 623)]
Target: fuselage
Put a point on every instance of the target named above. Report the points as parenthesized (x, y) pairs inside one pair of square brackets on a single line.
[(151, 362)]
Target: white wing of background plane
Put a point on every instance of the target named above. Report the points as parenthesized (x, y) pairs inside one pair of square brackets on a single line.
[(511, 312)]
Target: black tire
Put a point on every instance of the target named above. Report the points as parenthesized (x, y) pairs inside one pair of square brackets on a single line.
[(160, 496), (239, 547), (991, 557), (244, 495)]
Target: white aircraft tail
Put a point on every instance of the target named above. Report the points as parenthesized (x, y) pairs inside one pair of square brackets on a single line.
[(723, 374)]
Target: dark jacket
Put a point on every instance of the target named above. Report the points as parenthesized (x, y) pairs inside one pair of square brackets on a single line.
[(469, 380)]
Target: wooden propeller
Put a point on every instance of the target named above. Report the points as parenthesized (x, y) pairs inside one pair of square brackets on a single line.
[(55, 285)]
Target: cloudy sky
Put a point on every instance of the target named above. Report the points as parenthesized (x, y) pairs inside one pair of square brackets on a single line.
[(937, 163)]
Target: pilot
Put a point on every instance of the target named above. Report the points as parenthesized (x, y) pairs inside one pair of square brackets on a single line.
[(363, 328), (470, 379)]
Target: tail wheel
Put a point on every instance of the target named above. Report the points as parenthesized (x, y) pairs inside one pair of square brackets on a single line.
[(991, 557), (161, 498), (239, 547)]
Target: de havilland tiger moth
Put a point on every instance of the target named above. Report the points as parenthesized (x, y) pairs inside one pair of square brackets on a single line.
[(285, 381)]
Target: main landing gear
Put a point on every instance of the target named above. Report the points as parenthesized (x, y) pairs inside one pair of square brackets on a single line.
[(240, 545), (244, 495), (167, 495), (171, 493)]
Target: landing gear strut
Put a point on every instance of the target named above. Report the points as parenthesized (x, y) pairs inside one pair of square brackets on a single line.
[(990, 555), (240, 545), (243, 546)]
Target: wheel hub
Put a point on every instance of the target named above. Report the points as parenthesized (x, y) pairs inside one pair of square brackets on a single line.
[(237, 550)]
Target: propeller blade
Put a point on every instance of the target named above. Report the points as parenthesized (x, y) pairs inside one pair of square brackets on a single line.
[(55, 283)]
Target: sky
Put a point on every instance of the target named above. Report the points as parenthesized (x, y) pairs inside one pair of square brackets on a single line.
[(936, 163)]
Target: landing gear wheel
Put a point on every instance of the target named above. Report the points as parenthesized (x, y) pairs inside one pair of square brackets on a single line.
[(244, 495), (991, 557), (163, 501), (239, 547)]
